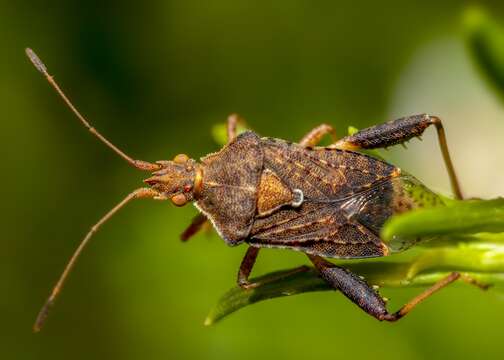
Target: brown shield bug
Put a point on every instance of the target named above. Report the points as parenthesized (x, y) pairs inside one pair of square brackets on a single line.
[(327, 202)]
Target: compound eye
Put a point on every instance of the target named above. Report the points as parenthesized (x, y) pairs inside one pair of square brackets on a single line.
[(179, 200), (180, 159)]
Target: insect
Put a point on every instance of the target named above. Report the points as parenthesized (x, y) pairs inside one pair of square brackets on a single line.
[(327, 202)]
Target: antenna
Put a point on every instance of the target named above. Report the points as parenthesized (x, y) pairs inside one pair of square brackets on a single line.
[(137, 194), (40, 66)]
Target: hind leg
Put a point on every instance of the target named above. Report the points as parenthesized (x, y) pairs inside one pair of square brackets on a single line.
[(367, 298), (397, 132)]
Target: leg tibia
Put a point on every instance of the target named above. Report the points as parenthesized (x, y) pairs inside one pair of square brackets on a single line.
[(197, 223), (246, 268), (316, 135), (232, 126)]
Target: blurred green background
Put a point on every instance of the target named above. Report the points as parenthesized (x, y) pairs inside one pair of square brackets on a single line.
[(154, 77)]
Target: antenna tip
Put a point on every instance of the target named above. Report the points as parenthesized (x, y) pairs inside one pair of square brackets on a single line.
[(36, 61), (42, 315)]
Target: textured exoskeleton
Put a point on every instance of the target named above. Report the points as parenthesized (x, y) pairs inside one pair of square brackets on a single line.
[(323, 201)]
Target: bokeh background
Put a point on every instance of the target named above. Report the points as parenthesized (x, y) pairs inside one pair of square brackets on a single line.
[(154, 77)]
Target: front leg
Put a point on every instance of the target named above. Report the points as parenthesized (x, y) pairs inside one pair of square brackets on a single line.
[(397, 132), (196, 225), (367, 298)]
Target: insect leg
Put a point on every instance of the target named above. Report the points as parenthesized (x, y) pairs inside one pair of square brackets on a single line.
[(246, 267), (452, 277), (232, 124), (197, 223), (316, 134), (368, 299), (352, 286), (248, 263), (397, 132), (137, 194)]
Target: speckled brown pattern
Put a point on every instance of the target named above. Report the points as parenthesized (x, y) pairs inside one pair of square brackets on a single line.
[(230, 183), (248, 193), (346, 201)]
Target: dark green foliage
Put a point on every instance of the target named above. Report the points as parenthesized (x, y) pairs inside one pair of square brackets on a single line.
[(484, 36), (469, 237)]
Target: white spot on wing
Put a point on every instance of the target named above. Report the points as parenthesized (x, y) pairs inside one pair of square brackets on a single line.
[(298, 198)]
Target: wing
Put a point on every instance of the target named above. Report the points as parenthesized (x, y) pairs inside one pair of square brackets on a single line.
[(324, 174), (345, 228)]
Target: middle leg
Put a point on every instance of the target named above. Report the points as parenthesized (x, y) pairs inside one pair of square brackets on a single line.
[(247, 265), (316, 135)]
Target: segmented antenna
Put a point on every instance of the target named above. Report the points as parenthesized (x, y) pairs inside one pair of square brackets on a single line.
[(139, 164), (137, 194), (141, 193)]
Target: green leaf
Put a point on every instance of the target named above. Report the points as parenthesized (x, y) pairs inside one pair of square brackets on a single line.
[(237, 297), (460, 217), (482, 261), (352, 130), (469, 238), (485, 40)]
